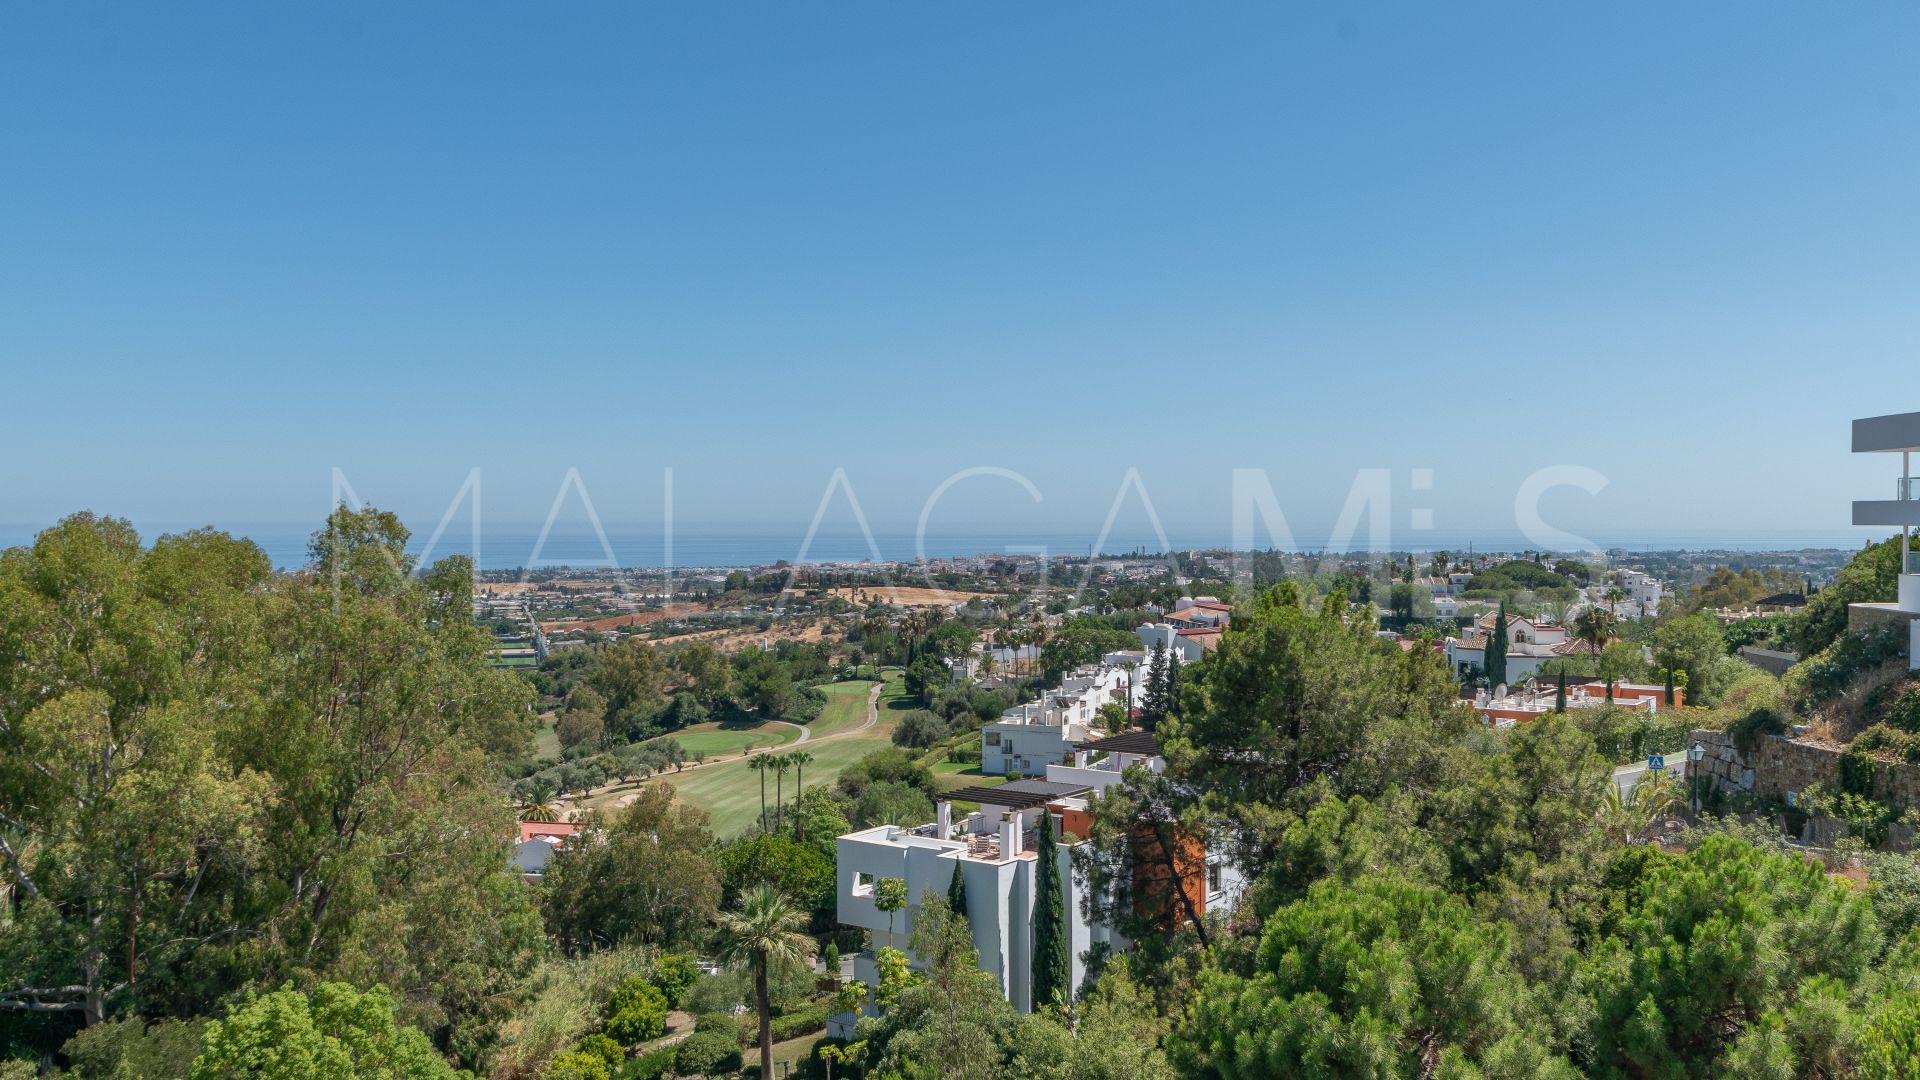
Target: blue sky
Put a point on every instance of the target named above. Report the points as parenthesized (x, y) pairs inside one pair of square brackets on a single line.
[(242, 245)]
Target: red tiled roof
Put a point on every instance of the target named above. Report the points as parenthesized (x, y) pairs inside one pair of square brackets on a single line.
[(557, 829)]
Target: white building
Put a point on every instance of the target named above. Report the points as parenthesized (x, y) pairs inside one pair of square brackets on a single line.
[(1189, 643), (1899, 433), (1031, 736), (1530, 644), (994, 850)]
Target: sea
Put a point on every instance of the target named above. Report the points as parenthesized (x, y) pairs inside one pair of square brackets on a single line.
[(510, 546)]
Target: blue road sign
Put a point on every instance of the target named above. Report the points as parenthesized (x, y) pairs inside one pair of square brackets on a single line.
[(1656, 762)]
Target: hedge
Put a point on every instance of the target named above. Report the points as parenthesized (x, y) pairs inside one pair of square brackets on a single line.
[(706, 1053), (803, 1022), (649, 1066)]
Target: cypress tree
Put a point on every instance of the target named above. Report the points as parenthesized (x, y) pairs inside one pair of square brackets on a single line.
[(1560, 695), (957, 891), (1051, 970), (1497, 649), (1669, 686), (1153, 704)]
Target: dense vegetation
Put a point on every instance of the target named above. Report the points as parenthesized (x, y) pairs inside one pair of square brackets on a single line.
[(256, 825)]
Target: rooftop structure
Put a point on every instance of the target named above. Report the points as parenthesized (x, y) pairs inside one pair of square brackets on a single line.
[(1896, 434)]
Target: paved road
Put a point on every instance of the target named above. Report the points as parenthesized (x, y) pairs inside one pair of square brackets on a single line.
[(1626, 776)]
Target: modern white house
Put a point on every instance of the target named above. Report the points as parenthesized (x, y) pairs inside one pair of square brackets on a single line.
[(1895, 434), (1187, 642), (1031, 736), (993, 848)]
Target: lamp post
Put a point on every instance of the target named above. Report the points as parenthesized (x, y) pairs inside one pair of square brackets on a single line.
[(1694, 754)]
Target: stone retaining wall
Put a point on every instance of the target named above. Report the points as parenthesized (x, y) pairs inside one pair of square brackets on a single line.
[(1779, 766)]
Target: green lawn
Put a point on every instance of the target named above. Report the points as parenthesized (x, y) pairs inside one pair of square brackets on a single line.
[(715, 741), (730, 793), (546, 744), (846, 707)]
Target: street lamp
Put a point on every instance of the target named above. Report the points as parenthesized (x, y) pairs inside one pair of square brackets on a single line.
[(1694, 754)]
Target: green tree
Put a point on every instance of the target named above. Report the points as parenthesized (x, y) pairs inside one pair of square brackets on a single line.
[(338, 1034), (957, 892), (763, 936), (636, 1013), (949, 1022), (1052, 968), (1714, 940), (643, 878), (1872, 576), (1377, 978), (1691, 644), (1496, 652)]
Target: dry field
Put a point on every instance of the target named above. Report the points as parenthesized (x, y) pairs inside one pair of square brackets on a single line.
[(909, 596), (614, 622)]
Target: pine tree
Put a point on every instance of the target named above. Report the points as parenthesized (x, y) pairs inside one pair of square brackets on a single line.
[(957, 891), (1497, 649), (1052, 973)]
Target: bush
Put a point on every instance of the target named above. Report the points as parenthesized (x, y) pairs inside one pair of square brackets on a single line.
[(802, 1022), (723, 1023), (1827, 674), (919, 730), (705, 1053), (637, 1012), (609, 1051), (649, 1066), (674, 974), (715, 993), (579, 1065)]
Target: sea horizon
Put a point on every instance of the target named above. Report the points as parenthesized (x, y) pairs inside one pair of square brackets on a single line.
[(642, 546)]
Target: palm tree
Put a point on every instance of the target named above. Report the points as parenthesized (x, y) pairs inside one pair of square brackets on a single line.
[(539, 805), (764, 937), (1595, 627), (801, 759), (759, 765), (1614, 596), (779, 764)]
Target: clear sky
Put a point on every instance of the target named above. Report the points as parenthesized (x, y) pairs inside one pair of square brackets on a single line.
[(242, 245)]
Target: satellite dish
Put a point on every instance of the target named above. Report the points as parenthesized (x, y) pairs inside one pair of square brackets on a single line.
[(1500, 691)]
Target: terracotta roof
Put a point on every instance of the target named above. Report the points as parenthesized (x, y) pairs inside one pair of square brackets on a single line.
[(556, 829), (1577, 647)]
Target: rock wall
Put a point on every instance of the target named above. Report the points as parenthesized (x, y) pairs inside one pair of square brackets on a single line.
[(1779, 765)]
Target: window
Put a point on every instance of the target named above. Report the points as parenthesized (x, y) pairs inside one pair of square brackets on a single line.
[(862, 884), (1215, 886), (993, 738)]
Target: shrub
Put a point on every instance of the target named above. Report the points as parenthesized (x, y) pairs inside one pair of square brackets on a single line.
[(649, 1066), (1882, 739), (802, 1022), (1827, 674), (715, 993), (579, 1065), (674, 974), (637, 1012), (609, 1051), (920, 729), (706, 1053)]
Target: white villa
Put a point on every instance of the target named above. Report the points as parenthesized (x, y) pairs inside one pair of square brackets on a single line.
[(1031, 736), (994, 849)]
